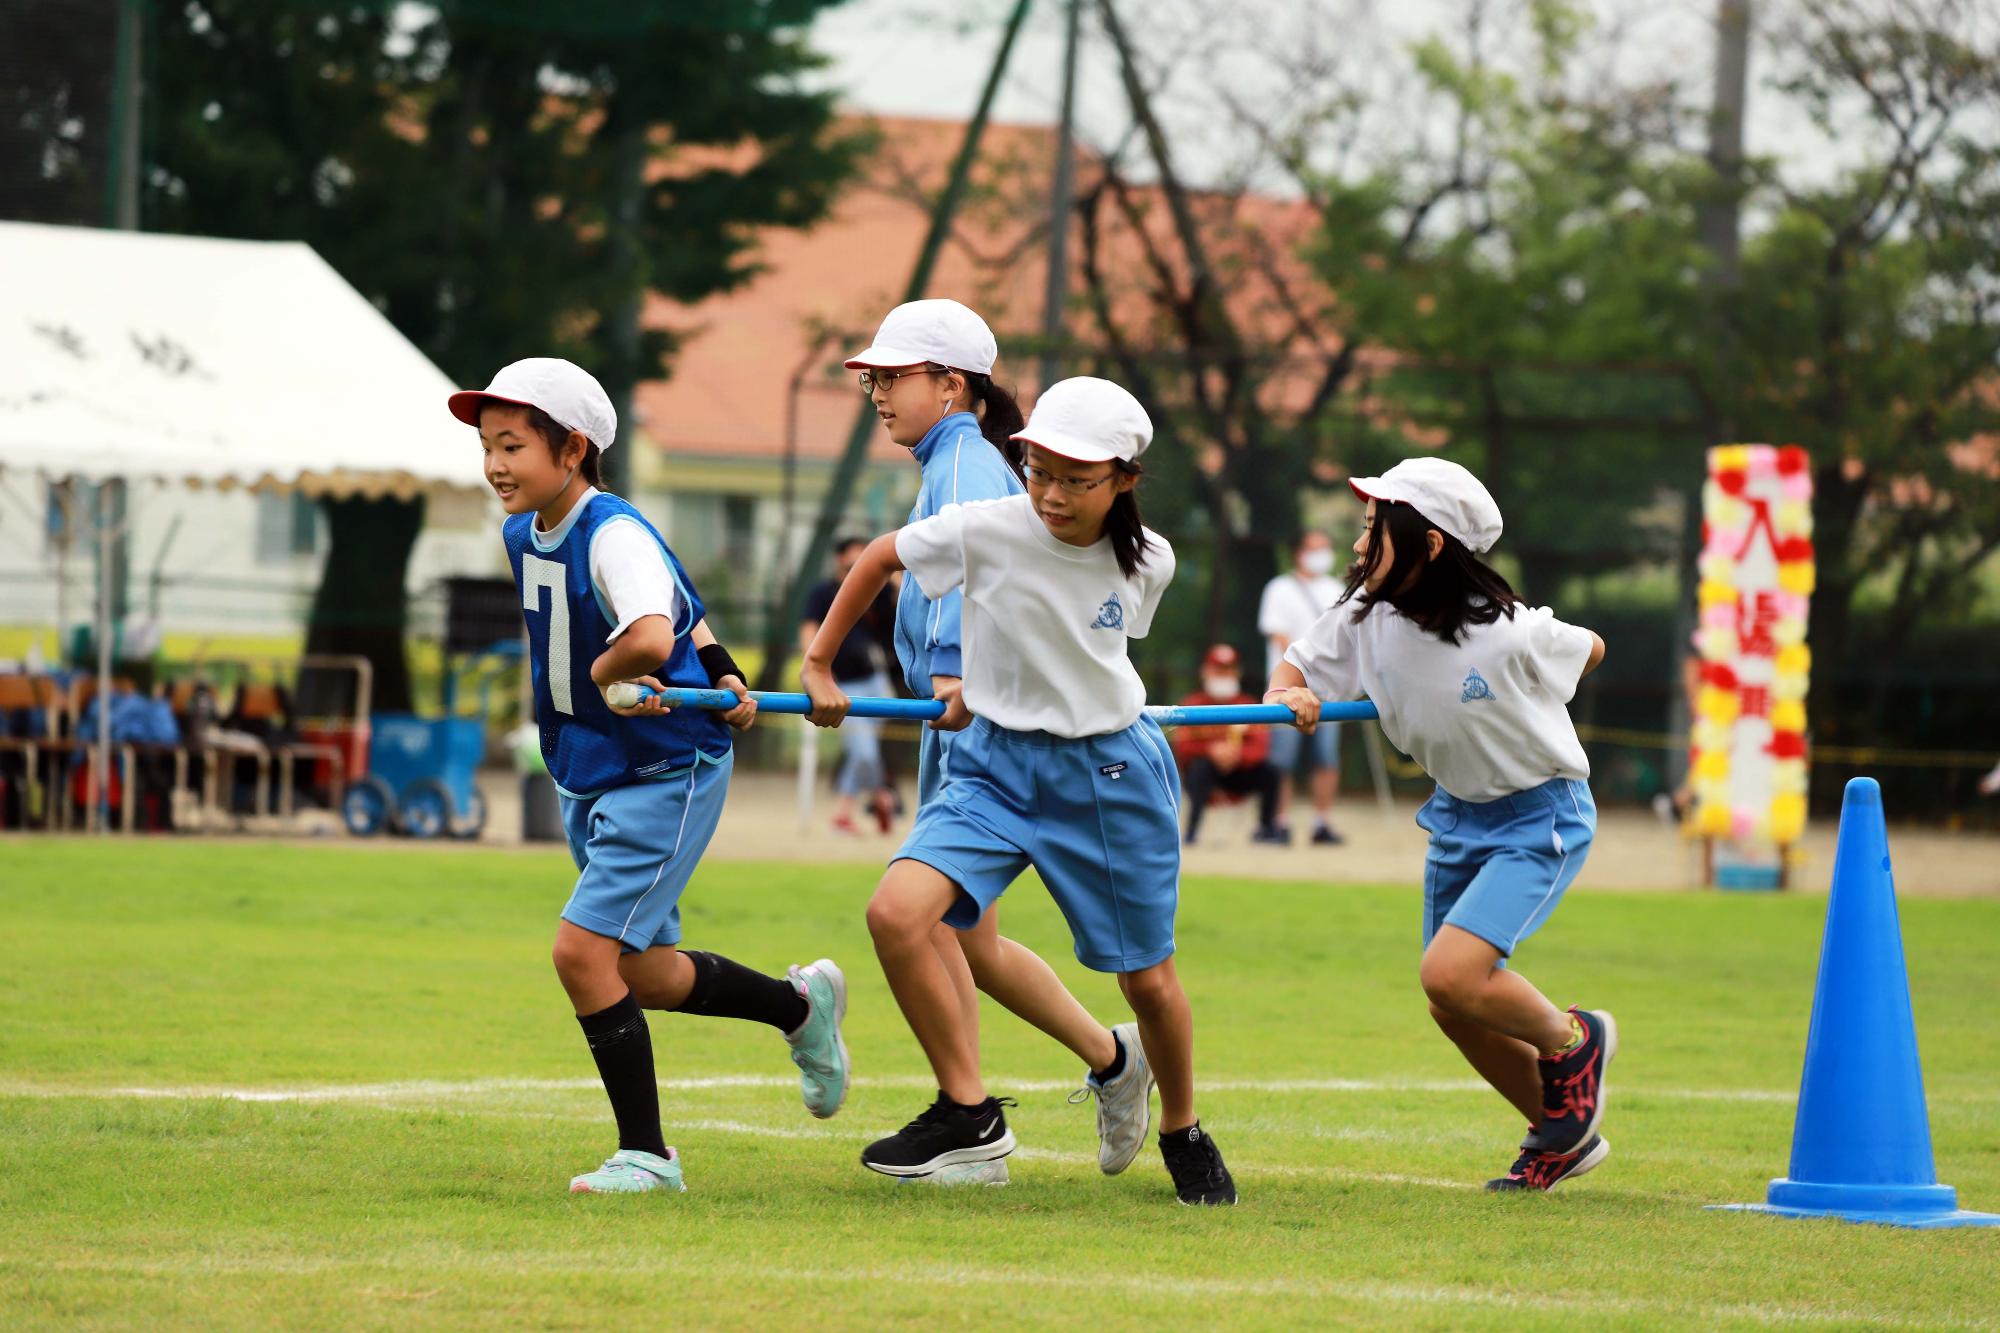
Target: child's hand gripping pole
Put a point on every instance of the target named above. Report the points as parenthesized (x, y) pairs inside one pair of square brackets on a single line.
[(625, 694)]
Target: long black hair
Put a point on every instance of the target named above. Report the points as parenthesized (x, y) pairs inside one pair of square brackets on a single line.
[(999, 416), (558, 435), (1123, 525), (1451, 591)]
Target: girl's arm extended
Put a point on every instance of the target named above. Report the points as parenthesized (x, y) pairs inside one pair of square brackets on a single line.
[(1288, 687), (856, 595)]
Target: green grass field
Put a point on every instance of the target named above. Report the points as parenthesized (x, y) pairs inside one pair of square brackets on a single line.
[(303, 1086)]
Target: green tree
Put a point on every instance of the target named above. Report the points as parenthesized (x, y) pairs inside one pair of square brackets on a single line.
[(503, 179)]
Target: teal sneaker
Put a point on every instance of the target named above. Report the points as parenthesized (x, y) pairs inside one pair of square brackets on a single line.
[(818, 1049), (630, 1172)]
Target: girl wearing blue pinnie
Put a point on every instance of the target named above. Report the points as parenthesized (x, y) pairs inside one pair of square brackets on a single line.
[(1060, 769), (1474, 685), (606, 603)]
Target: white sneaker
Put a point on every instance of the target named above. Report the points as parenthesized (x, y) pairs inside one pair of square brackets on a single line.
[(1123, 1105)]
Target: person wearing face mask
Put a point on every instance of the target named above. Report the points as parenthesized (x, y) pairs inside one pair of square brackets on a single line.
[(1292, 602), (1229, 759)]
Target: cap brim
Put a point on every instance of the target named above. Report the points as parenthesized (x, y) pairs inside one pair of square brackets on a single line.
[(1069, 446), (875, 354), (1371, 488), (465, 404)]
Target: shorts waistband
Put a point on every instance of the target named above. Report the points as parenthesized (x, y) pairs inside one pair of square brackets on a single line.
[(1043, 740), (1556, 791)]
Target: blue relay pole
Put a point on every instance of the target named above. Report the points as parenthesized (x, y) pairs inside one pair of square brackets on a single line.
[(923, 710)]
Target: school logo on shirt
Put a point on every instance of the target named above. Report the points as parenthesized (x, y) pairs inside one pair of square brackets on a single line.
[(1111, 615), (1475, 687)]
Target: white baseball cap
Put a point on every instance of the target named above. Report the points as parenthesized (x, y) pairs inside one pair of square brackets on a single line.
[(1090, 420), (936, 330), (1442, 492), (563, 389)]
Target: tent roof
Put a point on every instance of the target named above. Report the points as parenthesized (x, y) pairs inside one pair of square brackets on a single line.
[(215, 362)]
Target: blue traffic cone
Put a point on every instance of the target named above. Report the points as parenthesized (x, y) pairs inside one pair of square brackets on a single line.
[(1861, 1146)]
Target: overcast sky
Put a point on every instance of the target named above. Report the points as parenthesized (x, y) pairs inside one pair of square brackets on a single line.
[(929, 58)]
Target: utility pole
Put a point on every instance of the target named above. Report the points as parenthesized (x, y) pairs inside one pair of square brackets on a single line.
[(778, 633), (1062, 191)]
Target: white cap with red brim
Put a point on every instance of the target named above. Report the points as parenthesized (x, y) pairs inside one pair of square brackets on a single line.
[(1089, 420), (1442, 492), (564, 390), (938, 331)]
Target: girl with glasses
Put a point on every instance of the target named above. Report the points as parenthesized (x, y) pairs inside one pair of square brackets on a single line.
[(929, 373), (1060, 770)]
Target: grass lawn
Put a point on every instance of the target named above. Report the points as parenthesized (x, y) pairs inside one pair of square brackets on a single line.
[(292, 1085)]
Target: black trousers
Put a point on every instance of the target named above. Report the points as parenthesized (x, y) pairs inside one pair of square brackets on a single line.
[(1204, 779)]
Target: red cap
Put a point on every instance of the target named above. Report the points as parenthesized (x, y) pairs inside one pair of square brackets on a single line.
[(1222, 655)]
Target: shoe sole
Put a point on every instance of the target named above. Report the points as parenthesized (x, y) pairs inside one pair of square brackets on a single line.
[(985, 1152), (1604, 1081), (837, 982), (1591, 1161)]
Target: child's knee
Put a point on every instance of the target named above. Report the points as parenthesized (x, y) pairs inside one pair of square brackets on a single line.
[(1448, 984), (1152, 989), (896, 921), (574, 957)]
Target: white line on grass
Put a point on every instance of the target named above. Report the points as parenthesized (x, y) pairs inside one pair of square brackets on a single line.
[(1334, 1292), (419, 1089)]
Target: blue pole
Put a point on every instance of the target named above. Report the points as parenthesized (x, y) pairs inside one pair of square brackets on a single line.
[(923, 710)]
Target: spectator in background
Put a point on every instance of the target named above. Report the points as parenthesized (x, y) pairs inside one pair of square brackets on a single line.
[(860, 667), (1292, 602), (1233, 759)]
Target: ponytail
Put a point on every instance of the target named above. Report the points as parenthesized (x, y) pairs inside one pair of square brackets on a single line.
[(1124, 527), (999, 416)]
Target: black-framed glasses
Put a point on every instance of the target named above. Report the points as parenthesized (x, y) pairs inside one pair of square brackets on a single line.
[(870, 380), (1038, 476)]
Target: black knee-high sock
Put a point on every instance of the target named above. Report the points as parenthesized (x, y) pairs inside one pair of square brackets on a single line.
[(727, 989), (623, 1048)]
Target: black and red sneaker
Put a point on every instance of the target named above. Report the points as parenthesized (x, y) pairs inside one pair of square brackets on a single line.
[(1573, 1088), (1544, 1171)]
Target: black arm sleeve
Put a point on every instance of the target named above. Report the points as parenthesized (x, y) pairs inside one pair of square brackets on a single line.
[(717, 662)]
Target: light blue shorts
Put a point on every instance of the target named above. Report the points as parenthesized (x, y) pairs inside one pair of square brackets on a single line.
[(1498, 868), (635, 848), (1098, 818), (1287, 742), (933, 763)]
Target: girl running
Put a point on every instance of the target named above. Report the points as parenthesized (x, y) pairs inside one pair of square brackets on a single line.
[(1059, 767), (642, 787), (929, 372), (1473, 685)]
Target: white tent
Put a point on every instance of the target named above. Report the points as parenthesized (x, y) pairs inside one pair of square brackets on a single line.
[(212, 362), (124, 354)]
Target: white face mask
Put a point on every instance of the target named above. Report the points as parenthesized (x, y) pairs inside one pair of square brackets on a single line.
[(1317, 562), (1222, 687)]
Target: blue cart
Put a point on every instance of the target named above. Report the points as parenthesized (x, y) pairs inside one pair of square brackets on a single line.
[(421, 778)]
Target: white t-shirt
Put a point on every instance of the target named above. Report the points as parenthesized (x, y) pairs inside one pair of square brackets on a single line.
[(626, 567), (1291, 603), (1486, 717), (1044, 623)]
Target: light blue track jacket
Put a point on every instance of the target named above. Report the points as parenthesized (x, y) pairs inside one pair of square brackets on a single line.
[(959, 465)]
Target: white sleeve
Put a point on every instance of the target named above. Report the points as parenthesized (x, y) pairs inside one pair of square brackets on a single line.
[(1553, 652), (1154, 576), (630, 573), (1270, 616), (1326, 655), (933, 549)]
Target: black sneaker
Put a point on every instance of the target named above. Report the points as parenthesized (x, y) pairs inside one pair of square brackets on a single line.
[(1545, 1171), (1573, 1089), (944, 1135), (1195, 1163), (1277, 837), (1325, 835)]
